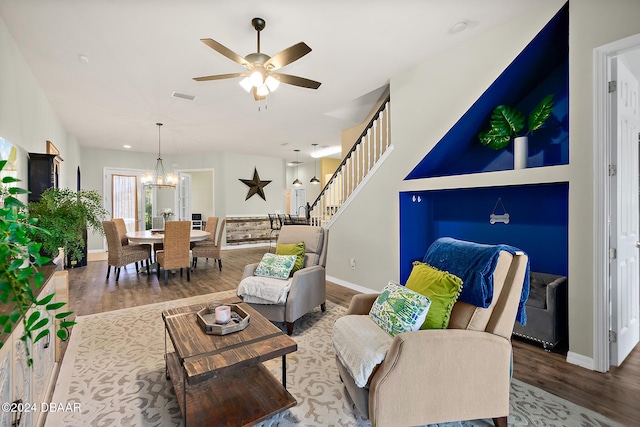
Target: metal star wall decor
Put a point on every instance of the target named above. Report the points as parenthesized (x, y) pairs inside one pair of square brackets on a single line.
[(256, 186)]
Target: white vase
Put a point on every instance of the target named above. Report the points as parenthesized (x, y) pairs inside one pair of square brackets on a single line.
[(520, 152)]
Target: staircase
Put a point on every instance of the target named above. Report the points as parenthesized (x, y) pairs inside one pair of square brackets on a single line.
[(361, 161)]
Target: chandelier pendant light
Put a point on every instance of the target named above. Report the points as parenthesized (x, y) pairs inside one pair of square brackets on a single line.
[(315, 179), (159, 178), (297, 182)]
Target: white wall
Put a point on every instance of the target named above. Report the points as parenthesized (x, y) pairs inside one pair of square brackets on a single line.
[(27, 119), (592, 23), (451, 82), (202, 193), (368, 229)]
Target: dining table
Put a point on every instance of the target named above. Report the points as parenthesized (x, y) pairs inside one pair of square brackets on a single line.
[(155, 236)]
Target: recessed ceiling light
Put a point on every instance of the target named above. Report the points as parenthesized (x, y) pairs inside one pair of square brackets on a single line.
[(126, 146), (83, 58), (183, 96), (459, 26), (327, 151)]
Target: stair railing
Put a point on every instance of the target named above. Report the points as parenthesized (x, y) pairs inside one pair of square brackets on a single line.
[(373, 142)]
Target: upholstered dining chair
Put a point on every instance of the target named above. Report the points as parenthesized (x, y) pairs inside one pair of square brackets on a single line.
[(120, 255), (466, 366), (307, 286), (210, 248), (176, 252)]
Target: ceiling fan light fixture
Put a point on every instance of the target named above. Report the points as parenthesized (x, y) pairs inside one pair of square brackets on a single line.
[(256, 78), (272, 83), (246, 84), (262, 90)]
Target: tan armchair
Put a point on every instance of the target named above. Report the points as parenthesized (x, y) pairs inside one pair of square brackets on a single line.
[(455, 374), (308, 285), (119, 255), (176, 252), (210, 248)]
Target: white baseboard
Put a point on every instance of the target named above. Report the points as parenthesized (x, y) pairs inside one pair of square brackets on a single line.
[(352, 286), (580, 360), (245, 245)]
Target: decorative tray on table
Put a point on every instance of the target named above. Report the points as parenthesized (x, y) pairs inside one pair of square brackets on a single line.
[(239, 319)]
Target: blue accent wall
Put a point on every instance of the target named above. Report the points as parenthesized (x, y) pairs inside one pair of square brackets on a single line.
[(539, 70), (539, 215)]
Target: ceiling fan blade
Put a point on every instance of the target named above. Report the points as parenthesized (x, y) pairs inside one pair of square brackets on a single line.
[(225, 51), (297, 81), (218, 77), (287, 56), (256, 96)]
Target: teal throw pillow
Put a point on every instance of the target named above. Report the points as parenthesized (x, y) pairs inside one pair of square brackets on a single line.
[(398, 309), (276, 266)]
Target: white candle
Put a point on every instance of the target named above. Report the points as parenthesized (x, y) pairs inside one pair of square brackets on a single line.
[(223, 314)]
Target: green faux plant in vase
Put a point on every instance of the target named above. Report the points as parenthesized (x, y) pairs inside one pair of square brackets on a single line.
[(66, 214), (507, 122), (19, 277)]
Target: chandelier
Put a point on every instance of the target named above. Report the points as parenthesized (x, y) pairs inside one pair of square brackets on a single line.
[(159, 178)]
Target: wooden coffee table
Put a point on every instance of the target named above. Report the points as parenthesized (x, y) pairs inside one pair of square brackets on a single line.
[(220, 380)]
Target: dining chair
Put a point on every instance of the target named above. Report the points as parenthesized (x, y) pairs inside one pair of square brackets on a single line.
[(210, 248), (276, 224), (120, 255), (176, 252)]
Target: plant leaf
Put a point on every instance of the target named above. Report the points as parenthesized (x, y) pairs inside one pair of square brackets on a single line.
[(41, 335), (507, 120), (62, 334), (63, 315), (55, 305), (66, 324), (41, 324), (541, 113), (45, 300), (34, 316), (494, 140)]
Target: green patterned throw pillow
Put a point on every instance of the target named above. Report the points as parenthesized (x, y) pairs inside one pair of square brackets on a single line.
[(398, 309), (276, 266)]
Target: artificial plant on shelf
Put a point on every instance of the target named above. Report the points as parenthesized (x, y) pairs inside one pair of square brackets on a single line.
[(507, 122), (19, 276), (66, 214)]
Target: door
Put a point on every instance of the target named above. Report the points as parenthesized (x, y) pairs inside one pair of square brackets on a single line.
[(124, 199), (184, 196), (124, 196), (299, 202), (625, 269)]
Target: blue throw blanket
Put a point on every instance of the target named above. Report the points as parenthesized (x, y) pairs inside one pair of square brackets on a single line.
[(474, 263)]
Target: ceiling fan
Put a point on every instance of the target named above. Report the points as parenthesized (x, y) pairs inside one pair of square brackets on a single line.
[(260, 77)]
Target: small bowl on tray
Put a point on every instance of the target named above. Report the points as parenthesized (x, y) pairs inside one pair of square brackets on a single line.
[(239, 319)]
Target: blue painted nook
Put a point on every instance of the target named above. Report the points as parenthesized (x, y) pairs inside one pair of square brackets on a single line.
[(536, 198), (542, 68)]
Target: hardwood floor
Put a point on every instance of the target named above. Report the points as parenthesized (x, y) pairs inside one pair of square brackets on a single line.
[(614, 394)]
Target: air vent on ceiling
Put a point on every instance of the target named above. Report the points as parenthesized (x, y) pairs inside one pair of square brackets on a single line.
[(183, 96)]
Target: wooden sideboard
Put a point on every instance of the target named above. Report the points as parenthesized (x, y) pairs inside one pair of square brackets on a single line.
[(249, 229), (31, 386)]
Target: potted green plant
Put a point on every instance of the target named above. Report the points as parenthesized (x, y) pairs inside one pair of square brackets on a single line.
[(507, 122), (66, 215), (19, 276)]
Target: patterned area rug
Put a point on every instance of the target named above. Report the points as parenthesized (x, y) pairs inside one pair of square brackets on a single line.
[(114, 368)]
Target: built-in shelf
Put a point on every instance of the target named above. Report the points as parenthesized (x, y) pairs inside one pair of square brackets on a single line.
[(542, 68), (455, 188)]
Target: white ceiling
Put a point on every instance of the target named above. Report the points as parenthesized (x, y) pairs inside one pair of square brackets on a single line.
[(141, 51)]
